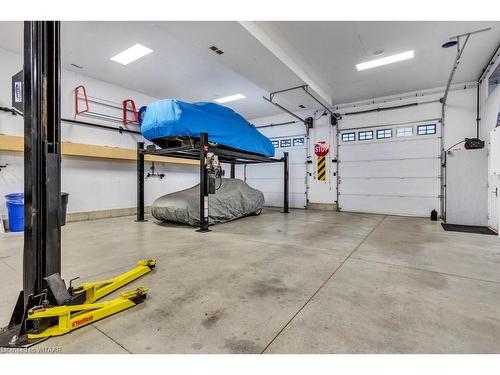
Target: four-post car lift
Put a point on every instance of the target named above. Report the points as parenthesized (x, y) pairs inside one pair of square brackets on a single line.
[(200, 150)]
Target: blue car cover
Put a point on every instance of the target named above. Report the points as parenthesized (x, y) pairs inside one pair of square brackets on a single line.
[(173, 118)]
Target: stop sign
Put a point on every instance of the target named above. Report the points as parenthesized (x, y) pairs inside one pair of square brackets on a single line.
[(321, 148)]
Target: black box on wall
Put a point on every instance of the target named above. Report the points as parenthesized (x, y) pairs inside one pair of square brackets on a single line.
[(18, 92)]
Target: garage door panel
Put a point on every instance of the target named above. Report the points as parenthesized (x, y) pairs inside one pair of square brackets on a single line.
[(390, 168), (416, 206), (268, 178), (275, 171), (398, 176), (276, 185), (391, 149), (422, 187)]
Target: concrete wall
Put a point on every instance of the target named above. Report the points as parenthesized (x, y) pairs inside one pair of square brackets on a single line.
[(93, 184), (459, 123)]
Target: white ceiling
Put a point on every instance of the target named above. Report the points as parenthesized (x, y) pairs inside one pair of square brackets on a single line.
[(330, 51), (183, 67)]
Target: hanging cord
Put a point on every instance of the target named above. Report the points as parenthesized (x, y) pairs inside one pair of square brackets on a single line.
[(220, 183), (456, 144)]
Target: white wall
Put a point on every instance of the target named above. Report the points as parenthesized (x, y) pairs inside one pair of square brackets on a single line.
[(459, 123), (490, 107), (318, 191), (93, 184)]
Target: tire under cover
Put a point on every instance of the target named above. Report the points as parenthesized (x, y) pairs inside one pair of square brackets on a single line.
[(234, 199)]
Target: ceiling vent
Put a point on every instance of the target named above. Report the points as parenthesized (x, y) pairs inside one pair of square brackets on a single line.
[(217, 50)]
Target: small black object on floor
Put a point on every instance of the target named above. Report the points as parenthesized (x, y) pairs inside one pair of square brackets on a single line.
[(467, 229)]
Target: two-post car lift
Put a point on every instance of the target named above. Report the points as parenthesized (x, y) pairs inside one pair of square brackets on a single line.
[(199, 151), (45, 307)]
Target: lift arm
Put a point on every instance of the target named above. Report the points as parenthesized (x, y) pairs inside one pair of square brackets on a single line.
[(98, 289), (59, 320)]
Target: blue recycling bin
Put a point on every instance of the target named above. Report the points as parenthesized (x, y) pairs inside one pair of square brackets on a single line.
[(15, 208)]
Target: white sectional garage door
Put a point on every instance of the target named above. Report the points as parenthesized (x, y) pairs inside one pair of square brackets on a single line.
[(268, 178), (391, 169)]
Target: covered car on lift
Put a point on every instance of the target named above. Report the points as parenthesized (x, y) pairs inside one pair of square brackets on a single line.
[(173, 123), (233, 199)]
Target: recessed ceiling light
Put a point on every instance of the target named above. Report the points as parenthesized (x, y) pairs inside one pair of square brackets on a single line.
[(230, 98), (386, 60), (131, 54)]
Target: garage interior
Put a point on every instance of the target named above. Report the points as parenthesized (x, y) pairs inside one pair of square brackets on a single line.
[(379, 231)]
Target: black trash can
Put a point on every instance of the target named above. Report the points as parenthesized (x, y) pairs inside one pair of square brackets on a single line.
[(64, 206)]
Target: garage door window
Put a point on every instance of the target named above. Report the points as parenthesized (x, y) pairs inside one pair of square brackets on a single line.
[(276, 144), (366, 135), (298, 142), (404, 132), (384, 133), (426, 129), (285, 143), (348, 137)]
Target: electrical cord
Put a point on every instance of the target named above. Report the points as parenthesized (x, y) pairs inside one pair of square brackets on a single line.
[(220, 183), (456, 144)]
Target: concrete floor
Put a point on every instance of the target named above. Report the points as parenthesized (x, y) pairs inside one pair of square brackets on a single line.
[(307, 282)]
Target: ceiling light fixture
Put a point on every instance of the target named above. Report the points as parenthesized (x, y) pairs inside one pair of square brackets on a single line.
[(131, 54), (386, 60), (230, 98)]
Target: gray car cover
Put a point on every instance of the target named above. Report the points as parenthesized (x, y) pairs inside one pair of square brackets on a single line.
[(234, 199)]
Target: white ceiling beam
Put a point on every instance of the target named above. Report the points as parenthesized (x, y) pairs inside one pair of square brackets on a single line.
[(298, 67)]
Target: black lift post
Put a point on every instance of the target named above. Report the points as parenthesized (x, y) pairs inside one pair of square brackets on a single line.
[(203, 184), (42, 172), (285, 182), (140, 181), (233, 170)]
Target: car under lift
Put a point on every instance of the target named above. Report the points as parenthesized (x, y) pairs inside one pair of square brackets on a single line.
[(45, 307)]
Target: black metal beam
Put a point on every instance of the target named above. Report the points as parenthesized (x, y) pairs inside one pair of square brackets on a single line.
[(42, 158), (203, 184), (285, 183), (233, 170), (225, 155), (140, 181), (85, 123), (42, 171)]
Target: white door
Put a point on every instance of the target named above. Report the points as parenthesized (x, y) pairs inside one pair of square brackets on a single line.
[(390, 169), (268, 178), (494, 180)]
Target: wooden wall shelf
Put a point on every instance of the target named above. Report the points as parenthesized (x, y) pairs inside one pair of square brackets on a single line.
[(16, 144)]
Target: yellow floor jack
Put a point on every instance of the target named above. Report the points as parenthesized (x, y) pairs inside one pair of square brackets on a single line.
[(63, 310)]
